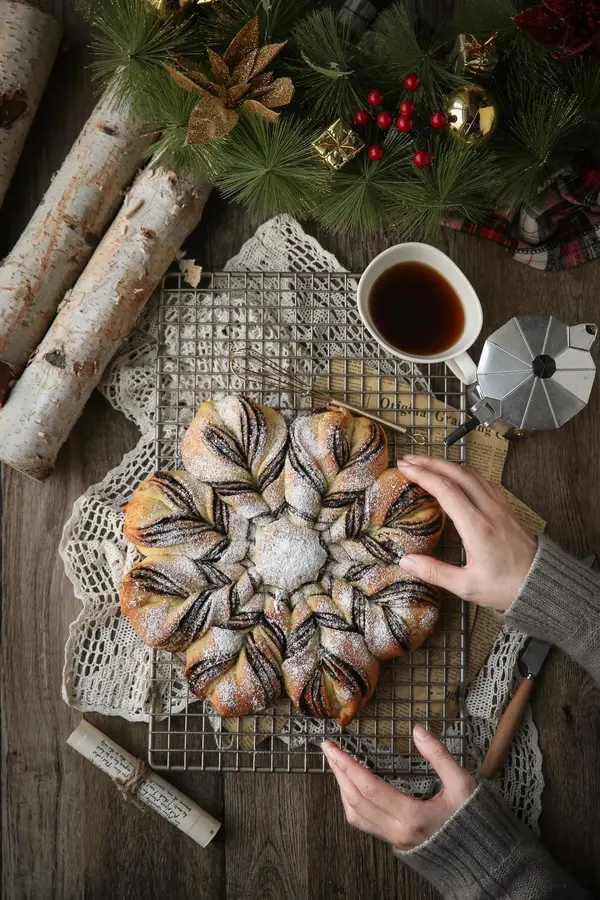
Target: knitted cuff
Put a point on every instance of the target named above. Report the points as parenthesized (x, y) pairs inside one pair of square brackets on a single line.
[(484, 852), (463, 855), (559, 602)]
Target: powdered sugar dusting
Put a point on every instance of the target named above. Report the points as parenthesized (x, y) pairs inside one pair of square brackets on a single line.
[(288, 555)]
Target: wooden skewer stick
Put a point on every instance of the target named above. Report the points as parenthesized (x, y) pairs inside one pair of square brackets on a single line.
[(507, 727)]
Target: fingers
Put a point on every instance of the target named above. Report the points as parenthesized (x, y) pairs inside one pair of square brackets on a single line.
[(478, 490), (455, 779), (372, 788), (450, 495), (361, 811), (362, 814), (440, 574)]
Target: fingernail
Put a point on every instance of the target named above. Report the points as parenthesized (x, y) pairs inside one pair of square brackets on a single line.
[(410, 458), (420, 733), (407, 563), (329, 750)]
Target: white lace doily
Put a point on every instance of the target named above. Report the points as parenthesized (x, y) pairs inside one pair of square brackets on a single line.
[(107, 668)]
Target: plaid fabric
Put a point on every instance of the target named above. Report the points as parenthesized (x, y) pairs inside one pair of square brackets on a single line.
[(561, 229)]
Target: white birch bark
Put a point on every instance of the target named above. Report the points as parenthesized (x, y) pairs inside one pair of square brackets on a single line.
[(29, 41), (159, 212), (63, 232)]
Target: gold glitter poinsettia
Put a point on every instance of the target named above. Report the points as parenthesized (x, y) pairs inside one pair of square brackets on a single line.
[(238, 80)]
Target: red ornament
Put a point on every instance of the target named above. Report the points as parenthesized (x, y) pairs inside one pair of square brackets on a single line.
[(421, 159), (375, 98), (405, 123), (384, 119), (407, 107), (438, 119), (375, 152), (412, 82), (361, 117), (571, 26)]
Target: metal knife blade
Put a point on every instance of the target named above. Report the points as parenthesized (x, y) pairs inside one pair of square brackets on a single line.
[(534, 653)]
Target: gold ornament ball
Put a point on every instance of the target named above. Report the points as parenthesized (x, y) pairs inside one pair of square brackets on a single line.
[(168, 7), (472, 114)]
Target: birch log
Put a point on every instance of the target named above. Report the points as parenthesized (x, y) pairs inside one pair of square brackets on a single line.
[(29, 41), (65, 229), (159, 212)]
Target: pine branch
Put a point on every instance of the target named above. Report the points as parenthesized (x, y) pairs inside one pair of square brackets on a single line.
[(541, 120), (365, 199), (398, 49), (486, 17), (457, 183), (325, 74), (167, 109), (132, 42), (276, 19), (272, 169), (584, 78)]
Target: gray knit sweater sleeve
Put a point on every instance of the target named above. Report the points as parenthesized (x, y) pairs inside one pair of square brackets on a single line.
[(483, 852), (559, 602)]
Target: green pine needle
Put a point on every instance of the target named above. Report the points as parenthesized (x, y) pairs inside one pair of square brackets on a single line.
[(167, 111), (131, 43), (458, 182), (272, 169), (584, 76), (541, 120), (325, 74), (276, 19), (397, 50), (486, 17), (364, 200)]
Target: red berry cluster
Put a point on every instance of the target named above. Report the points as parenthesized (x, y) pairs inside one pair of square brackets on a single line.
[(405, 121)]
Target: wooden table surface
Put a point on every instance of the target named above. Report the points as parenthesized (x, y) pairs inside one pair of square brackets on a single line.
[(66, 833)]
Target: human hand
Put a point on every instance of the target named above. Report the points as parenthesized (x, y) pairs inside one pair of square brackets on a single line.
[(499, 549), (374, 806)]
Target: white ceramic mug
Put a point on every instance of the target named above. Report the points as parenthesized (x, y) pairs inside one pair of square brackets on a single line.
[(456, 356)]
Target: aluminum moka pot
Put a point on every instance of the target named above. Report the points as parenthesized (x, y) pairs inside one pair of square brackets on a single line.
[(534, 373)]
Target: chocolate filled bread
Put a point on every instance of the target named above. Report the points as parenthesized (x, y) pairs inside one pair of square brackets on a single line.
[(272, 559)]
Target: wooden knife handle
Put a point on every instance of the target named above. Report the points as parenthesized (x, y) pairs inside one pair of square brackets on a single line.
[(507, 727)]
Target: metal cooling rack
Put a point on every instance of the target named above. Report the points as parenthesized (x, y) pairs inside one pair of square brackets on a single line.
[(309, 323)]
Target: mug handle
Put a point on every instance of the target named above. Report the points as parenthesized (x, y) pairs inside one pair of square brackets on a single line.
[(463, 367)]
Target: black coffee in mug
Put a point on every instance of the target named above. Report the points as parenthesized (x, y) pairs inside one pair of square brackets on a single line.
[(415, 309)]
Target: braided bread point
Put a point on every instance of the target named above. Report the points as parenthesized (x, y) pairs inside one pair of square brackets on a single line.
[(172, 600), (237, 666), (175, 513), (328, 671), (394, 611), (238, 447), (394, 518), (332, 458)]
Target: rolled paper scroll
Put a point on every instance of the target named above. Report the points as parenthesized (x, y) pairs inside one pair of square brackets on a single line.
[(153, 791)]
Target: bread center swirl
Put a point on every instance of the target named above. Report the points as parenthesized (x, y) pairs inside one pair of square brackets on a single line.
[(288, 555)]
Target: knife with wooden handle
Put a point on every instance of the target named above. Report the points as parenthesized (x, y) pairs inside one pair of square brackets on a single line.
[(530, 662)]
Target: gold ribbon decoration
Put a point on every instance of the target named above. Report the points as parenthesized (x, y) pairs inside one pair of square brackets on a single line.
[(338, 144)]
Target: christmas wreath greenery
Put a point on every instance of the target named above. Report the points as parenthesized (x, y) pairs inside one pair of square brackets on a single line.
[(287, 109)]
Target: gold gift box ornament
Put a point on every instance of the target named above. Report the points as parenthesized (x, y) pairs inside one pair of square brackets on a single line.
[(471, 57), (338, 144)]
